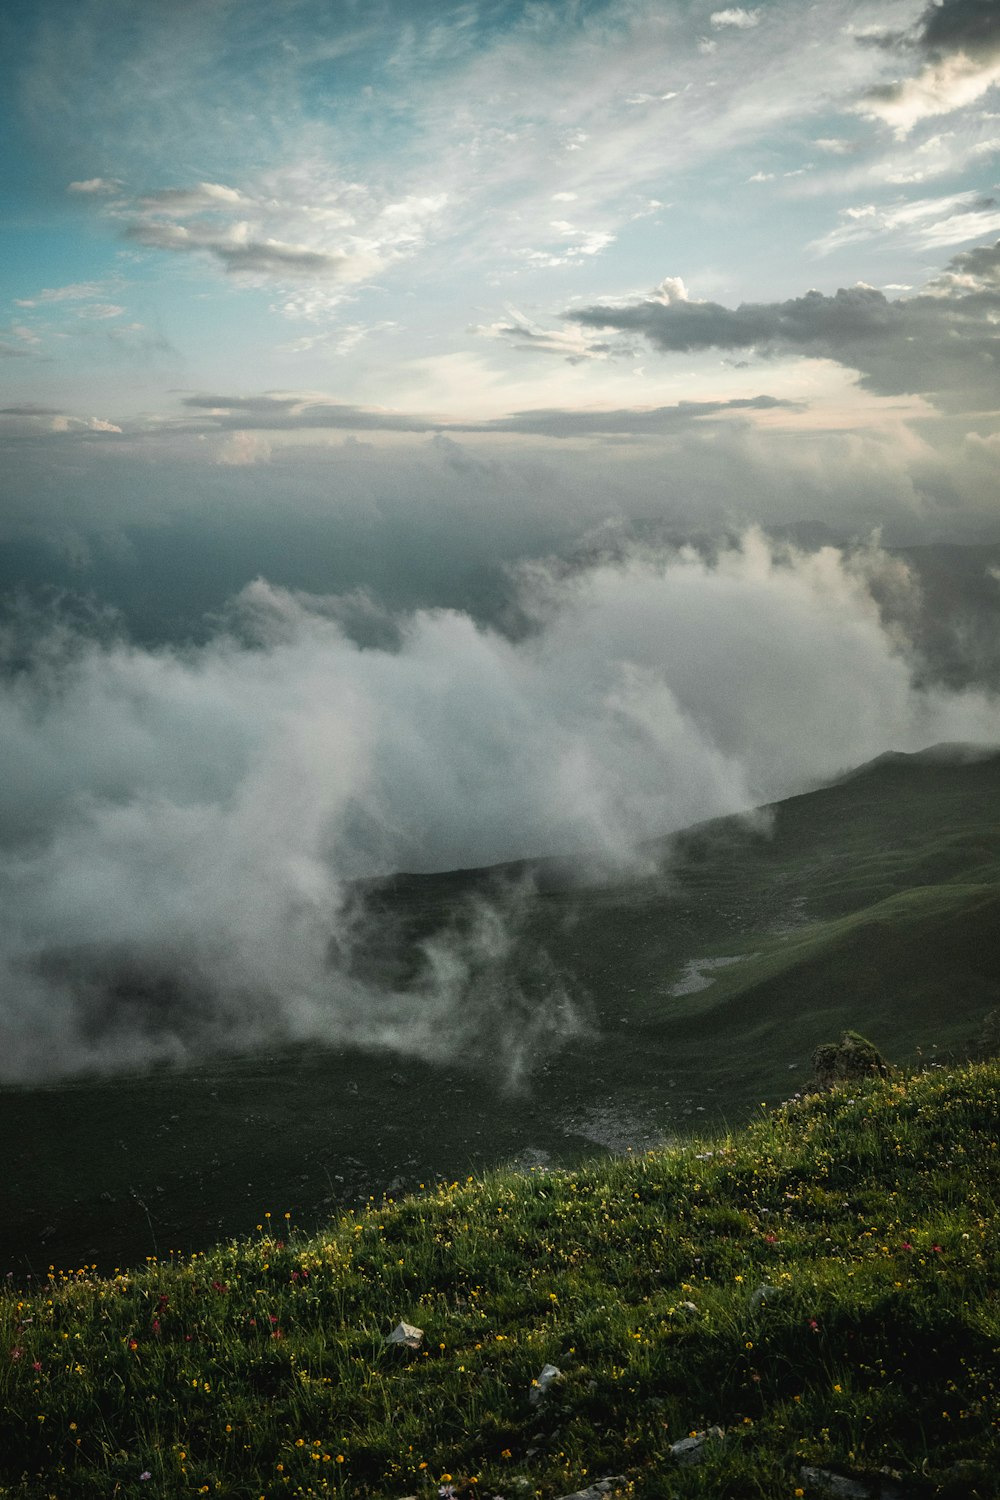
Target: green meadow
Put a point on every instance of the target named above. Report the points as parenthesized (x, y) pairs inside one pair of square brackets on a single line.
[(817, 1292)]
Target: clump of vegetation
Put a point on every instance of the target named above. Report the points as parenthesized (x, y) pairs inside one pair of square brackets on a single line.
[(821, 1287), (853, 1057)]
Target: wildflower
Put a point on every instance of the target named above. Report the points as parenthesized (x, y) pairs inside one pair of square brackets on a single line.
[(145, 1474)]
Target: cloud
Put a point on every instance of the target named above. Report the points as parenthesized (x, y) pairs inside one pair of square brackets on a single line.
[(631, 421), (99, 311), (18, 342), (237, 253), (77, 291), (969, 26), (528, 336), (943, 342), (938, 89), (960, 40), (343, 232), (180, 828), (204, 195), (32, 419), (293, 413), (94, 185), (299, 413), (972, 270), (742, 20), (930, 223)]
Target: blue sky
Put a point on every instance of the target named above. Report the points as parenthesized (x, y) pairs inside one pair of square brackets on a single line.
[(404, 206)]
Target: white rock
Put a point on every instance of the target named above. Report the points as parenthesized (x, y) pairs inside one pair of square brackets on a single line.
[(599, 1489), (407, 1335), (542, 1381), (837, 1486), (691, 1450)]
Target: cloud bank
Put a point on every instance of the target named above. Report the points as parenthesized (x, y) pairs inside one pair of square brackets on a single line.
[(181, 831), (943, 342)]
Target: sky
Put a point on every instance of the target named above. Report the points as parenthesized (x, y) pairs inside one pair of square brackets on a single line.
[(231, 229), (439, 434)]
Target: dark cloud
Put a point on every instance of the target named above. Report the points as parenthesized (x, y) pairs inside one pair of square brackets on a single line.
[(293, 413), (944, 342), (982, 264), (969, 26), (950, 26), (562, 422), (813, 320), (266, 257)]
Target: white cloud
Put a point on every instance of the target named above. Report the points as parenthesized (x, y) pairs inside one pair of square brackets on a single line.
[(77, 291), (742, 20), (929, 223), (100, 310), (671, 289), (939, 89), (94, 185), (197, 199)]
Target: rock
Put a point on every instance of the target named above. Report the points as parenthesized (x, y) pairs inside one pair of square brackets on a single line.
[(691, 1450), (688, 1307), (406, 1335), (542, 1381), (838, 1486), (598, 1489)]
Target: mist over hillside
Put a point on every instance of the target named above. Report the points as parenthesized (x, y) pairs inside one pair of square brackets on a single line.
[(183, 826)]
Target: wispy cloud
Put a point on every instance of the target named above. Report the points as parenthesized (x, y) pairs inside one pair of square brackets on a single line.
[(291, 228), (930, 223), (77, 291)]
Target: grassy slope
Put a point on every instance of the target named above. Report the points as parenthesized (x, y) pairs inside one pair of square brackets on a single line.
[(869, 1217), (870, 904)]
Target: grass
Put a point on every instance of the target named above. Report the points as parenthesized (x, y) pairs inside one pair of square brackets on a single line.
[(823, 1286)]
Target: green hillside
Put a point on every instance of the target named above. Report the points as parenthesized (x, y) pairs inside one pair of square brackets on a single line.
[(817, 1294), (869, 904)]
